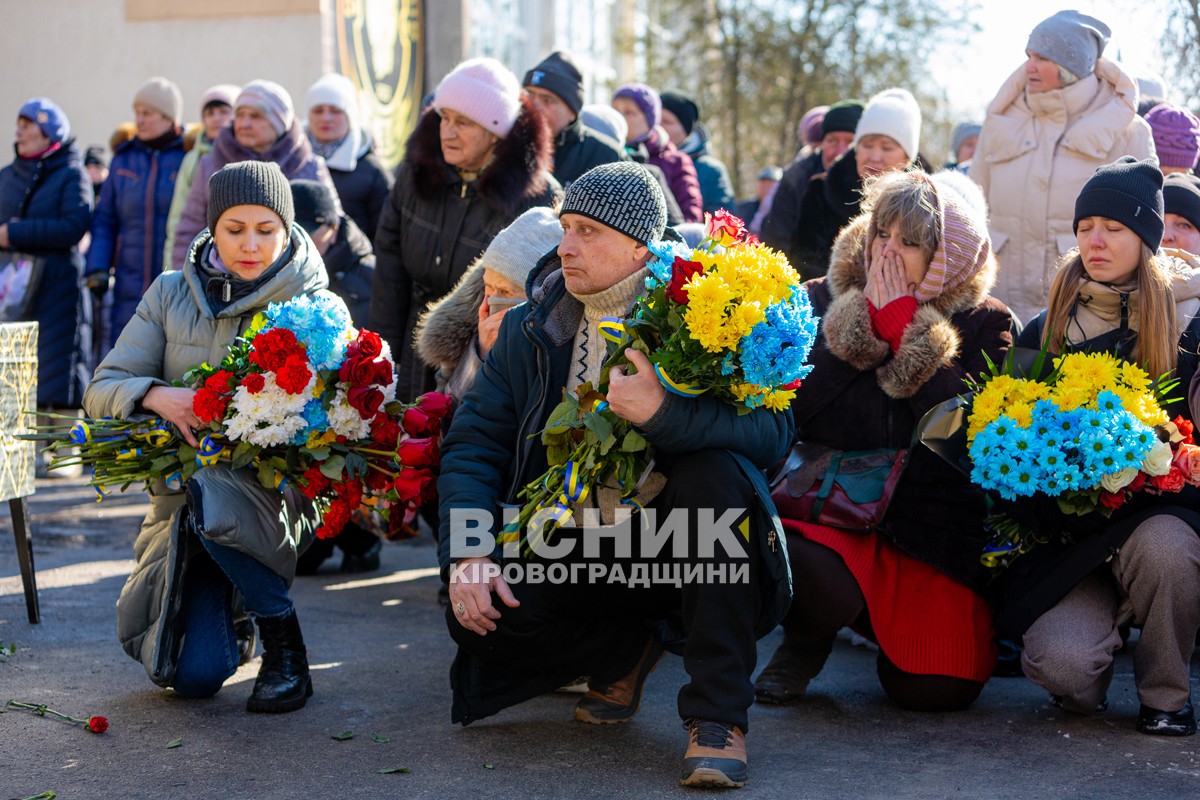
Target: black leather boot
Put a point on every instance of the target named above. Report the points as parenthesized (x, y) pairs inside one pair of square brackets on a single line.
[(283, 683)]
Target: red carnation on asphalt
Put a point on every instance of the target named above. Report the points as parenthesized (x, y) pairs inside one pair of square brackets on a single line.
[(97, 724)]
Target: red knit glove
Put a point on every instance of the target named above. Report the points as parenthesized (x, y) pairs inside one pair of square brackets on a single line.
[(890, 322)]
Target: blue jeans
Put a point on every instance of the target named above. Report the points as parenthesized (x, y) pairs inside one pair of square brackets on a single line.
[(209, 654)]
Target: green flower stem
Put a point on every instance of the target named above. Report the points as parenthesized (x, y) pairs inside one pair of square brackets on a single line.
[(42, 711)]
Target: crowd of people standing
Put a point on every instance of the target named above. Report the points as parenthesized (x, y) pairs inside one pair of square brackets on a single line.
[(518, 219)]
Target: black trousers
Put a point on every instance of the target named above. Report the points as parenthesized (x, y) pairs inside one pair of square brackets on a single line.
[(566, 630)]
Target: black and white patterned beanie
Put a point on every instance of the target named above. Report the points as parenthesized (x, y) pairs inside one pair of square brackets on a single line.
[(622, 195)]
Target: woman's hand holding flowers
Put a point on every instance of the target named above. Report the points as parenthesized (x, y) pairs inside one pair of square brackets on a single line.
[(174, 404)]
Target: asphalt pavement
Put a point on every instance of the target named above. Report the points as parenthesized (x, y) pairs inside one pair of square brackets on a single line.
[(378, 725)]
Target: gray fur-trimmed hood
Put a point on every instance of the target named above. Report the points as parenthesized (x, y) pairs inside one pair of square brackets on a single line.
[(448, 325), (931, 340)]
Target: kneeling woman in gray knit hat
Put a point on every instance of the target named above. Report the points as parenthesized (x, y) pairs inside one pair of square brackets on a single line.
[(223, 542)]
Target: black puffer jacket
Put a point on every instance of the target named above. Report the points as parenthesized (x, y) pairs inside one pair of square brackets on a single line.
[(434, 225), (363, 191), (831, 201), (350, 263), (47, 205), (578, 148)]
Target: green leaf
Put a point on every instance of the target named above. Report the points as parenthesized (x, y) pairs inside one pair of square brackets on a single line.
[(489, 766), (171, 745), (243, 455), (332, 467), (600, 427), (379, 737), (395, 770), (187, 454), (343, 736), (633, 443), (319, 453), (163, 464), (608, 444), (557, 454), (266, 475)]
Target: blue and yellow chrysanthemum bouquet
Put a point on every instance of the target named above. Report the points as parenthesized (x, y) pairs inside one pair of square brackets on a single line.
[(727, 318), (1089, 435)]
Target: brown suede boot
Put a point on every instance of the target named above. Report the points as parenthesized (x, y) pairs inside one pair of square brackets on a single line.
[(797, 661), (619, 701), (716, 755)]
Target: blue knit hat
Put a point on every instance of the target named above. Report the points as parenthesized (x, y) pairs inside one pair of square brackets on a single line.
[(1128, 191), (45, 113)]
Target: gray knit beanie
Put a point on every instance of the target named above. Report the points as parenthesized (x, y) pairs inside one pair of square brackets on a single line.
[(250, 183), (1072, 40), (517, 248), (623, 196)]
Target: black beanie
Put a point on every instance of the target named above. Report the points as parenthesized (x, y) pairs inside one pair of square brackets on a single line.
[(1181, 196), (683, 107), (314, 205), (622, 195), (842, 117), (557, 73), (1128, 191), (250, 183)]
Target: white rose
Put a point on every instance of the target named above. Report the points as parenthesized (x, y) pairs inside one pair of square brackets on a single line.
[(1116, 481), (1158, 460)]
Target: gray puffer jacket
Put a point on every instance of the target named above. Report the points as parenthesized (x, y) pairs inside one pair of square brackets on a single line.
[(173, 330)]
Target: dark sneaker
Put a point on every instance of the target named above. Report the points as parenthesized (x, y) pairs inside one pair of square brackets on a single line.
[(786, 677), (619, 701), (1167, 723), (1058, 701), (716, 755)]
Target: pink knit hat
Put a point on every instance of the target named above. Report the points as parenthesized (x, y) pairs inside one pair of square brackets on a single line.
[(964, 245), (1176, 135), (484, 90)]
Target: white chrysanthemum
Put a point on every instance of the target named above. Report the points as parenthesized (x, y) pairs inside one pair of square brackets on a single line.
[(344, 419), (269, 417), (1158, 460)]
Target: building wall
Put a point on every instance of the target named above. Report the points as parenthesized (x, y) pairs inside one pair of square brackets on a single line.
[(89, 56)]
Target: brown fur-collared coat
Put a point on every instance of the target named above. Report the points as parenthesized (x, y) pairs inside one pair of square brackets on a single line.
[(860, 396)]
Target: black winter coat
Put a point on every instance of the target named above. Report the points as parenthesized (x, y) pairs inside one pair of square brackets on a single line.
[(860, 396), (1038, 580), (779, 227), (578, 148), (830, 202), (492, 450), (52, 199), (350, 263), (434, 225), (363, 191)]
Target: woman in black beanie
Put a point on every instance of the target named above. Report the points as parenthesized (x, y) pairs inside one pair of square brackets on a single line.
[(220, 542), (1117, 293)]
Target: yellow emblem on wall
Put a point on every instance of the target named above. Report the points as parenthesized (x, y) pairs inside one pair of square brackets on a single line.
[(381, 49)]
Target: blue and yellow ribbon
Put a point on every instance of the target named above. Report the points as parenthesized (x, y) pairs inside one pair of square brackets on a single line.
[(574, 484), (80, 433), (209, 452), (158, 436), (130, 454), (174, 481), (681, 389), (613, 330)]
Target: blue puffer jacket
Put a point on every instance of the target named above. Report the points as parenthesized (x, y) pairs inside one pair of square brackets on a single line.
[(130, 225), (492, 449), (52, 196)]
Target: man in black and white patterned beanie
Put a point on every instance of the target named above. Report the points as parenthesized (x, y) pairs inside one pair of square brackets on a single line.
[(520, 636)]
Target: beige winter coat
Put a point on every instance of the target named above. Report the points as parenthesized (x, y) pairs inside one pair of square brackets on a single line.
[(1034, 156)]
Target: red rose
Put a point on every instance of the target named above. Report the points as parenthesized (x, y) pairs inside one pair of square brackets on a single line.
[(271, 349), (1187, 459), (368, 345), (1185, 429), (97, 724), (1112, 499), (416, 485), (383, 372), (378, 480), (417, 423), (385, 432), (681, 272), (294, 375), (1137, 483), (254, 383), (208, 405), (436, 404), (1173, 481), (365, 401), (220, 381), (792, 386), (418, 452)]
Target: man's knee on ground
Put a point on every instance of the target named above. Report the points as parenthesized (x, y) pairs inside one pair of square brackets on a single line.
[(1061, 669)]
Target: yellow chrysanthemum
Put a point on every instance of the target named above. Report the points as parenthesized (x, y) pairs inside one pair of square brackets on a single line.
[(779, 401), (1135, 377)]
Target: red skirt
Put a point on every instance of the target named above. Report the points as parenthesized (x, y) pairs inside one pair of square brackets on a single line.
[(926, 623)]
